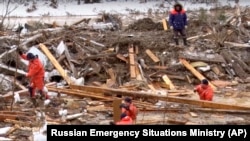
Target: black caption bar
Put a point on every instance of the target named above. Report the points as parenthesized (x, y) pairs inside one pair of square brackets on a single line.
[(139, 132)]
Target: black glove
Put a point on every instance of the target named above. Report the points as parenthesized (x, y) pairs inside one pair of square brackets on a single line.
[(20, 52), (124, 106), (111, 123)]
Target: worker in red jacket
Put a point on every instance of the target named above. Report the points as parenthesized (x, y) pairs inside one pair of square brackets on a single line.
[(125, 120), (204, 90), (178, 23), (35, 74), (129, 108)]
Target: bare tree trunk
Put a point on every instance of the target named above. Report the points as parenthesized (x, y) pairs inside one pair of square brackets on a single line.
[(79, 2), (6, 14)]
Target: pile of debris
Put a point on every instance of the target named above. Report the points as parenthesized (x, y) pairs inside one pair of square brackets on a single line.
[(92, 70)]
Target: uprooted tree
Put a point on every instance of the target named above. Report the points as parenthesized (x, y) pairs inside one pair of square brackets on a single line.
[(7, 11)]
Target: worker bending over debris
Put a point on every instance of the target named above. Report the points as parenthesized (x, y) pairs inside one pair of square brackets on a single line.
[(35, 74), (125, 120), (129, 109), (204, 90)]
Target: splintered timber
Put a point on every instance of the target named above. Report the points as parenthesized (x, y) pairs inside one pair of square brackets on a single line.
[(136, 134)]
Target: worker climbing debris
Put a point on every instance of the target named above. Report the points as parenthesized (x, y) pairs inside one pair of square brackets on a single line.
[(35, 73)]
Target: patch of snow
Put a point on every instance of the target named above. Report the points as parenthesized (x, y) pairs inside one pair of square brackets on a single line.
[(123, 7), (4, 130)]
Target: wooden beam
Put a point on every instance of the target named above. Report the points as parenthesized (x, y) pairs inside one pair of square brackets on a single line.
[(164, 23), (152, 56), (214, 58), (132, 62), (72, 67), (168, 82), (79, 93), (207, 104), (24, 92), (116, 110), (195, 72), (55, 63)]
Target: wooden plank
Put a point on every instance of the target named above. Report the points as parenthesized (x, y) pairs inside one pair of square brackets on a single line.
[(131, 59), (202, 103), (132, 62), (152, 87), (152, 56), (132, 71), (168, 82), (164, 23), (24, 92), (138, 74), (55, 63), (214, 58), (71, 65), (121, 57), (193, 114), (112, 75), (195, 72), (199, 36), (116, 110), (136, 49)]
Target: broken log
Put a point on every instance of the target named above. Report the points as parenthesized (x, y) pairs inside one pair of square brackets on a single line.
[(237, 44), (109, 91), (220, 111), (62, 72), (20, 123), (195, 72), (72, 67), (93, 42), (8, 51), (12, 69), (15, 117), (24, 92), (213, 58), (234, 64), (241, 63), (198, 36), (121, 57), (70, 117), (100, 56)]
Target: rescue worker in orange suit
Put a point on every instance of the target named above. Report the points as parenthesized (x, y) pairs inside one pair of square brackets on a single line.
[(125, 120), (204, 90), (178, 23), (129, 108), (35, 74)]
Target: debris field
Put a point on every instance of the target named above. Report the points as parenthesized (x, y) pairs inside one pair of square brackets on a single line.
[(91, 67)]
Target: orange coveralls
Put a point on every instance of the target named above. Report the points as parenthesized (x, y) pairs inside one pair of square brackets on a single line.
[(132, 112), (36, 74), (205, 93), (125, 121)]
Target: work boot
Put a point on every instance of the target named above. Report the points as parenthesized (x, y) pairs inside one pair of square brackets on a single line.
[(185, 41), (176, 42), (33, 100)]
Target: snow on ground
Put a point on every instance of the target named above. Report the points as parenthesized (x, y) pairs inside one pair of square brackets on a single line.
[(66, 9), (70, 12)]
